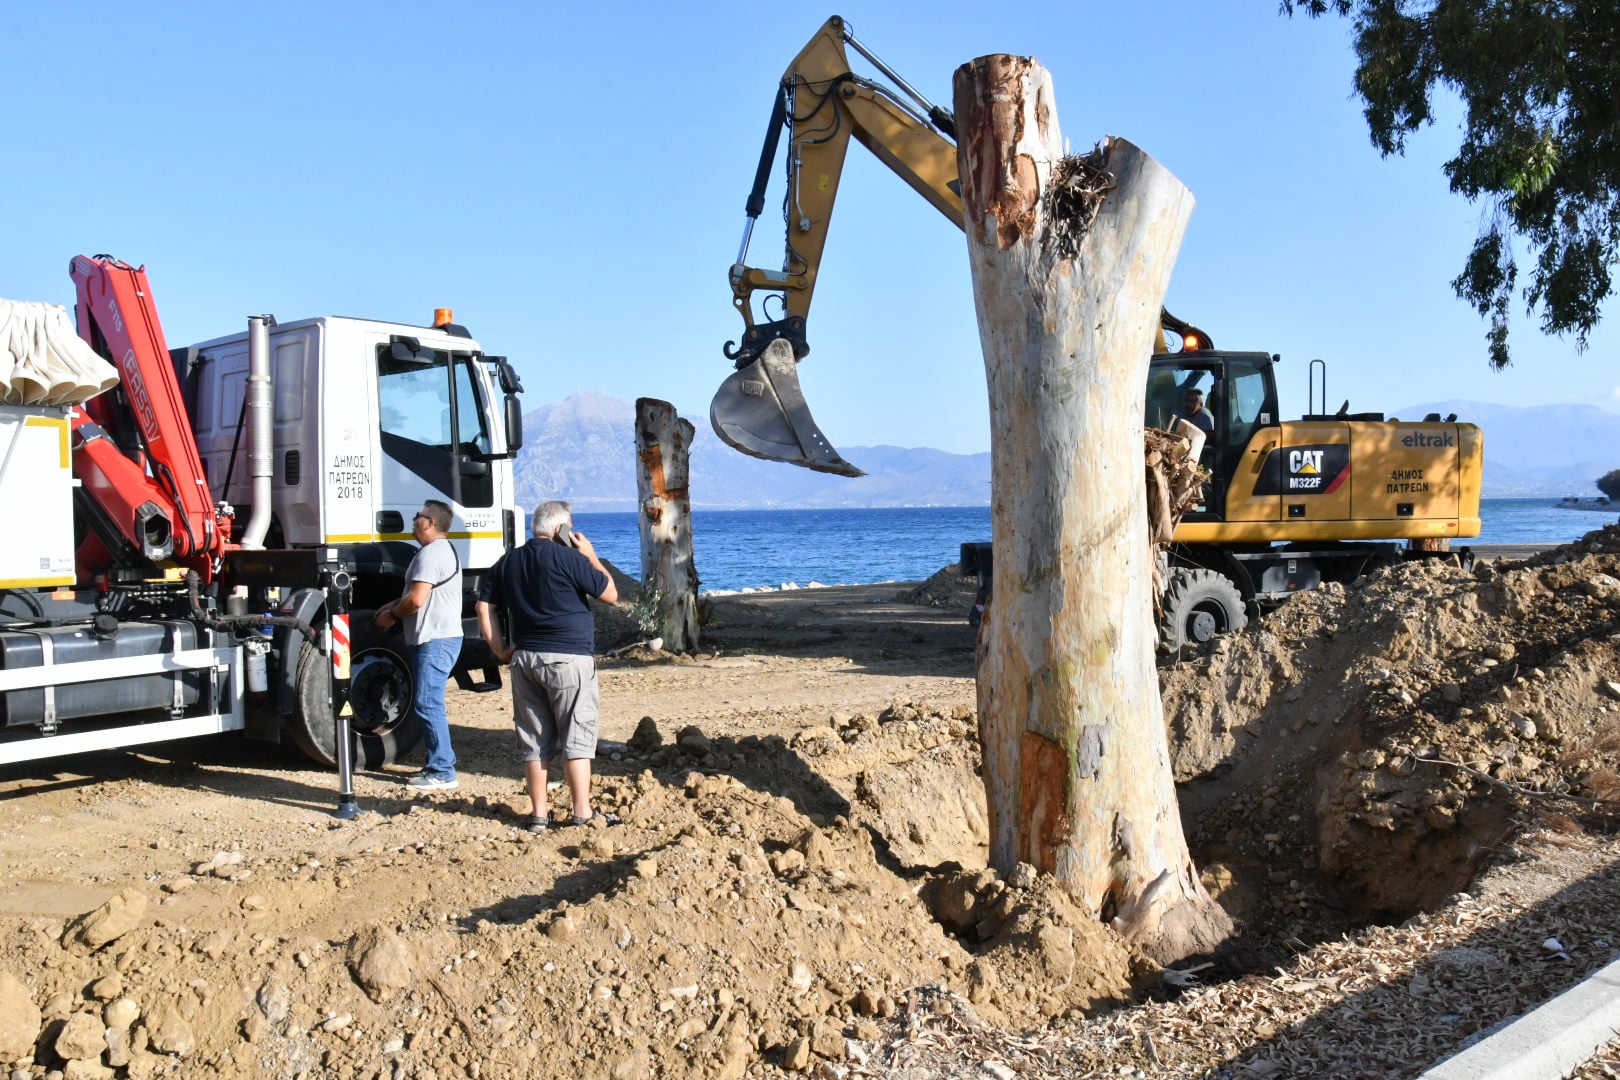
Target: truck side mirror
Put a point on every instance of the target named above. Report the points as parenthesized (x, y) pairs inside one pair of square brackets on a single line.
[(514, 424), (510, 382)]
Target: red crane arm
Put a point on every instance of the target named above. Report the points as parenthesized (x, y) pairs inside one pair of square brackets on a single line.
[(117, 317)]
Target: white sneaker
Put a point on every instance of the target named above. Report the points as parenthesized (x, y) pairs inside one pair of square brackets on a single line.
[(424, 782)]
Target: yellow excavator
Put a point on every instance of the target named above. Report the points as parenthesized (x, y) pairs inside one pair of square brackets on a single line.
[(1288, 504)]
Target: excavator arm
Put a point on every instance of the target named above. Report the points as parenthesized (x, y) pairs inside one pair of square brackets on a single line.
[(133, 448), (820, 104)]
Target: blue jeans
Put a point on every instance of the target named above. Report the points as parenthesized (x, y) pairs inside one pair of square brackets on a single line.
[(431, 662)]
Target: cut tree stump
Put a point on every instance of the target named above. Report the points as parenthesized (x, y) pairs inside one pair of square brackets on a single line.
[(669, 580), (1071, 257)]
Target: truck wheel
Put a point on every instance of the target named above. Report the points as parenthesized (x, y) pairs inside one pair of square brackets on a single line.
[(385, 726), (1198, 604)]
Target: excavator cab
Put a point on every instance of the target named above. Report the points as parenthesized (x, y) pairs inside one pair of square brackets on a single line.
[(1238, 392)]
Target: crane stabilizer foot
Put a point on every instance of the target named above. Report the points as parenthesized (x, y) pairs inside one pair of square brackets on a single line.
[(761, 411)]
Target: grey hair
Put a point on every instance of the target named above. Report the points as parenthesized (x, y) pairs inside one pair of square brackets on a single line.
[(440, 514), (548, 516)]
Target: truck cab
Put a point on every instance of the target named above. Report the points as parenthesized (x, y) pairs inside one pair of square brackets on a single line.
[(370, 419)]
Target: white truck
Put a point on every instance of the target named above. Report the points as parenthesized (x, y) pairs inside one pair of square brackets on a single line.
[(132, 607)]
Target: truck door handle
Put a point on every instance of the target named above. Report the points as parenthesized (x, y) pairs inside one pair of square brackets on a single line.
[(1261, 454)]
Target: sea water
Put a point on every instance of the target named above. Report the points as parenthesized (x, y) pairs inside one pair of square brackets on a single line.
[(739, 549)]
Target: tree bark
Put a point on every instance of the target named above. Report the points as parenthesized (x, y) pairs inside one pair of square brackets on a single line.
[(669, 580), (1071, 259)]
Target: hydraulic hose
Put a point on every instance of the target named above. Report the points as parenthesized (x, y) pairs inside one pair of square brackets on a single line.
[(239, 623)]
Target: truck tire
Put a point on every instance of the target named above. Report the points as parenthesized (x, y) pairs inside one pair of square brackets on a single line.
[(1198, 604), (386, 728)]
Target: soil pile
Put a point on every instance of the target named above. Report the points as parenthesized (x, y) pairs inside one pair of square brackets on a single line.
[(1360, 751), (947, 588), (719, 924)]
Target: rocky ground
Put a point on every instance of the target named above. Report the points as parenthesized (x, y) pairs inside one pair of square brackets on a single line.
[(1403, 792)]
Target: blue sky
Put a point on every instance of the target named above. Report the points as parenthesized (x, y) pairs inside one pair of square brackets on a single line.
[(571, 181)]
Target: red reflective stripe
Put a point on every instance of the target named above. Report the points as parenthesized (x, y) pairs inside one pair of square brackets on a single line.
[(340, 646)]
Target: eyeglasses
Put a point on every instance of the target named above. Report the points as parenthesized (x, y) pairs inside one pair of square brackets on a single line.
[(422, 517)]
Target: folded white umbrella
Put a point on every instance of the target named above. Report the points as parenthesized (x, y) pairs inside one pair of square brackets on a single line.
[(43, 361)]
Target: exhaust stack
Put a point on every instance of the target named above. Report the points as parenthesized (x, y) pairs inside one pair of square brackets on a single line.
[(261, 453)]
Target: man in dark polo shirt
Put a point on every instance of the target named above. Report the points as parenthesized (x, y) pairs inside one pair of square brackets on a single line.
[(544, 587)]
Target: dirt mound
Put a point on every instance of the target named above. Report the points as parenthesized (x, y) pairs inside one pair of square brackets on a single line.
[(947, 588), (1360, 751), (766, 898), (627, 621)]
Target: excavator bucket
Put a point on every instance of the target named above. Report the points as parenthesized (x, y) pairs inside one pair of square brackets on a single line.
[(761, 411)]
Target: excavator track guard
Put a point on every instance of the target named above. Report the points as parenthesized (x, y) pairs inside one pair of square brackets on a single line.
[(761, 411)]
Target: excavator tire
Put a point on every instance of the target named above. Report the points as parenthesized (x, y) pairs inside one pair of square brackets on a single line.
[(1198, 604), (386, 728)]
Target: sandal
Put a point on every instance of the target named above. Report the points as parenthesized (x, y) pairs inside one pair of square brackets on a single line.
[(606, 819), (537, 824)]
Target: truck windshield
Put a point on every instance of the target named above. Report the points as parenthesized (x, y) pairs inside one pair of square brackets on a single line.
[(434, 424)]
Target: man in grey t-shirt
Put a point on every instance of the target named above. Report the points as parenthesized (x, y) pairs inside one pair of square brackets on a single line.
[(430, 612)]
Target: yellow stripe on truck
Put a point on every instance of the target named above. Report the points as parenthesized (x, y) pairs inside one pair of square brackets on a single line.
[(35, 583), (361, 538), (61, 426)]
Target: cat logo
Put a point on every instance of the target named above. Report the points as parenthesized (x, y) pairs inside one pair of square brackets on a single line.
[(1305, 462), (1318, 469)]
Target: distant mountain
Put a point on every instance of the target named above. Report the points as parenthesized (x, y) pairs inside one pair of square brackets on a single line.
[(1537, 450), (580, 449), (583, 449)]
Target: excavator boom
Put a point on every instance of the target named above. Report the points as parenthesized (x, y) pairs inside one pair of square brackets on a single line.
[(820, 104)]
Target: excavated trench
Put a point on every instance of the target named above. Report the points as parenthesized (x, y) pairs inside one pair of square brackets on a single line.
[(1354, 759)]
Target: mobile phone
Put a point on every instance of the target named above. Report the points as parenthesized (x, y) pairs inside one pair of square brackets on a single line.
[(565, 536)]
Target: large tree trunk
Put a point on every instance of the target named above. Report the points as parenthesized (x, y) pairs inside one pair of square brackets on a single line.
[(669, 578), (1071, 259)]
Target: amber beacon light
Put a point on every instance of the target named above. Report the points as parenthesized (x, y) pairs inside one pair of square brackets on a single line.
[(443, 316)]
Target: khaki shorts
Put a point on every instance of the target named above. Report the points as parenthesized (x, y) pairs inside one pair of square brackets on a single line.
[(556, 705)]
